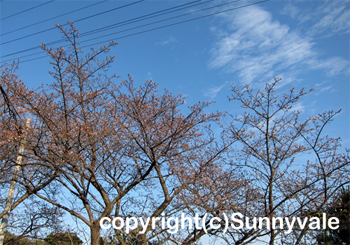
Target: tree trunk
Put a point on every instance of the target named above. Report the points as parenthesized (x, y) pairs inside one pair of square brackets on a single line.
[(11, 192), (95, 232)]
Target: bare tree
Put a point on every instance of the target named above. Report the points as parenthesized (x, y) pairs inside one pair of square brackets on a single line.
[(293, 169), (118, 150)]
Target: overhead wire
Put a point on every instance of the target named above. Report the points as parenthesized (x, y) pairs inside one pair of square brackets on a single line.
[(151, 28), (57, 16), (53, 28), (180, 22), (118, 24), (156, 22), (160, 27), (147, 16), (26, 10)]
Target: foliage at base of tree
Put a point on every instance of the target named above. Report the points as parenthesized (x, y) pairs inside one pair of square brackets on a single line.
[(11, 239), (63, 239), (340, 209), (130, 240)]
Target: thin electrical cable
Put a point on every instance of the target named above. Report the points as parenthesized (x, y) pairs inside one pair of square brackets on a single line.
[(144, 17), (172, 24), (53, 28), (57, 16), (40, 52), (26, 10), (134, 28), (156, 22), (156, 28), (132, 20), (59, 41)]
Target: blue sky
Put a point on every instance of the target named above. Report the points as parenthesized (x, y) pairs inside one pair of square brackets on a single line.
[(304, 42)]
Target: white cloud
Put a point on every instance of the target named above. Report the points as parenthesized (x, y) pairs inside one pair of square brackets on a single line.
[(335, 18), (212, 92), (256, 47), (298, 107), (325, 89), (326, 17), (170, 40), (291, 10), (333, 65)]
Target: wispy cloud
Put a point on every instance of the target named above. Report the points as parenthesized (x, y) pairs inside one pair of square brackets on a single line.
[(170, 40), (212, 92), (325, 89), (298, 107), (149, 75), (332, 66), (323, 17), (256, 47)]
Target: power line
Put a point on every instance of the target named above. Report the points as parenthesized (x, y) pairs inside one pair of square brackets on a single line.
[(27, 10), (57, 16), (176, 23), (53, 28), (130, 21), (157, 28), (132, 29), (144, 17), (156, 22)]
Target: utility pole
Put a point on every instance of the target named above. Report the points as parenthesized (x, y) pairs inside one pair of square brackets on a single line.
[(11, 193)]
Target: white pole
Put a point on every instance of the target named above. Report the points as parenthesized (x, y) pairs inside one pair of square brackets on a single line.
[(11, 193)]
